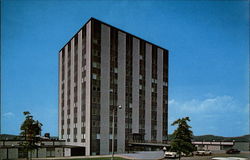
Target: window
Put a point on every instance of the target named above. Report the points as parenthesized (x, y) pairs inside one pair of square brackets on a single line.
[(140, 87), (50, 152), (153, 89), (22, 153), (96, 65), (141, 58), (140, 77), (130, 105), (165, 84), (154, 80), (97, 136), (75, 120), (96, 52), (95, 41), (94, 76)]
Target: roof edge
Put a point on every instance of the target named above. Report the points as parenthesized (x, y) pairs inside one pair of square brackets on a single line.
[(92, 18)]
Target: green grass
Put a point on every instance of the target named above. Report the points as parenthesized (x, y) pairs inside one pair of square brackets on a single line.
[(101, 158)]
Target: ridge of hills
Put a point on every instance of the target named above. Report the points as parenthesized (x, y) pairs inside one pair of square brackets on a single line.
[(244, 138)]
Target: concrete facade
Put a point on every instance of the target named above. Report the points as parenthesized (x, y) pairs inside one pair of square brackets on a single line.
[(105, 89), (121, 92), (135, 85), (148, 92), (100, 68)]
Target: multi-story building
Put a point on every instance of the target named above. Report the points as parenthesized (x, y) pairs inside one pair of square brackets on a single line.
[(100, 68)]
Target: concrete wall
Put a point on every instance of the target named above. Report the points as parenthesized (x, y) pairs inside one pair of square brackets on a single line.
[(59, 97), (121, 90), (159, 94), (58, 152), (3, 154), (242, 146), (105, 89), (67, 152), (13, 150), (135, 85), (148, 92), (42, 152), (88, 90), (214, 147), (79, 90)]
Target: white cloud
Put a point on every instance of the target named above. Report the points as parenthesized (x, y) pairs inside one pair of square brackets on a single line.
[(216, 104), (8, 114), (223, 115), (172, 101)]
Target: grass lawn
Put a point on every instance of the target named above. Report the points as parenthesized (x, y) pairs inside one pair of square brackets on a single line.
[(101, 158)]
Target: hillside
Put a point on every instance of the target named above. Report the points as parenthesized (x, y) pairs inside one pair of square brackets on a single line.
[(245, 138)]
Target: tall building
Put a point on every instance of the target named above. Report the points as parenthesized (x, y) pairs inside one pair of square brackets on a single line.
[(100, 68)]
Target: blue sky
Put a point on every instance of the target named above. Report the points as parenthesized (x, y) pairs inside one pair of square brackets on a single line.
[(209, 56)]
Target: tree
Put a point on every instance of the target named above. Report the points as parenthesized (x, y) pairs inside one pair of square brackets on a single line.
[(182, 137), (30, 130)]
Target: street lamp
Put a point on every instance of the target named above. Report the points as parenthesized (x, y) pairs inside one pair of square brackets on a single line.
[(113, 129)]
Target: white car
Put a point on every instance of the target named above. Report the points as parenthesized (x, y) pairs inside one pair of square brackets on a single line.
[(168, 154), (203, 153)]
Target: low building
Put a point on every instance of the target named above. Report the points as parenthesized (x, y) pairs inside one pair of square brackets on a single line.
[(10, 148), (221, 145)]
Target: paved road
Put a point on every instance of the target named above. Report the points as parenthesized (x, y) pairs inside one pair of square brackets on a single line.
[(245, 155), (156, 155), (192, 158), (146, 155)]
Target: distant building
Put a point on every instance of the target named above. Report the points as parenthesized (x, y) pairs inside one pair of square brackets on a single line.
[(222, 145), (100, 68)]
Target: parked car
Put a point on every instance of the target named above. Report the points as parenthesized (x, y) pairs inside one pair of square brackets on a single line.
[(203, 152), (187, 155), (232, 151), (168, 154)]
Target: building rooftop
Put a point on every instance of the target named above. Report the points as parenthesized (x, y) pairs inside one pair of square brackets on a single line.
[(94, 19)]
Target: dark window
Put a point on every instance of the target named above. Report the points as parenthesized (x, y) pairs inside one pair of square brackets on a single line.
[(22, 153), (75, 130), (50, 152), (69, 49)]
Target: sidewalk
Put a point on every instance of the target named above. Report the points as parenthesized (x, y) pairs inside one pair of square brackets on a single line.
[(150, 155), (153, 155)]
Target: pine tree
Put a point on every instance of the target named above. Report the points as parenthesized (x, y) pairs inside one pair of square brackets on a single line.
[(182, 141), (30, 130)]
